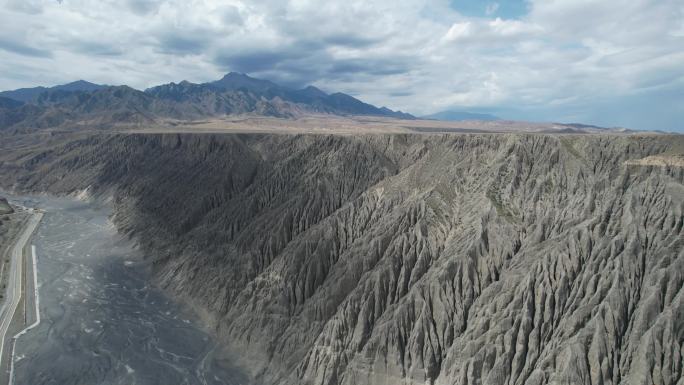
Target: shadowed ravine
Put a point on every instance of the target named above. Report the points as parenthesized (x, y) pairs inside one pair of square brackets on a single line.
[(101, 321)]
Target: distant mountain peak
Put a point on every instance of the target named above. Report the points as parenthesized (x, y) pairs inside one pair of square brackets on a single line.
[(237, 75), (234, 81), (80, 85), (312, 89)]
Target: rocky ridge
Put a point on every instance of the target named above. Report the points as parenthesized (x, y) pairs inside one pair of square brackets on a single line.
[(83, 105), (412, 259)]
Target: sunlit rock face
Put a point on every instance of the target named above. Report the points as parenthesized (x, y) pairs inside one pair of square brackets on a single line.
[(405, 259)]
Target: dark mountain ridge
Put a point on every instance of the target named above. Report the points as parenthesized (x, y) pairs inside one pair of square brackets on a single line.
[(28, 95), (81, 102), (310, 98)]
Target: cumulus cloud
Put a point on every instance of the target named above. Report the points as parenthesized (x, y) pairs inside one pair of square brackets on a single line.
[(492, 32), (563, 59)]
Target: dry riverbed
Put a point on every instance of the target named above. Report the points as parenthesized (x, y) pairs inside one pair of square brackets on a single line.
[(102, 323)]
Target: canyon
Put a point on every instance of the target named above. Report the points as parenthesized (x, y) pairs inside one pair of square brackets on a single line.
[(511, 258)]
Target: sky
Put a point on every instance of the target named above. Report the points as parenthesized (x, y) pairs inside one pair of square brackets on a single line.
[(606, 62)]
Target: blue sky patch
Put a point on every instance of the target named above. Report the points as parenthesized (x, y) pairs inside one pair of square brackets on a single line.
[(505, 9)]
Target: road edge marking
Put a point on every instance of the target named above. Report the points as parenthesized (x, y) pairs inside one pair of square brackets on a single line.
[(35, 293), (33, 325), (37, 303)]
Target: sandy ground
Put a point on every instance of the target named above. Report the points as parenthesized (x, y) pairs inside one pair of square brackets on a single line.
[(326, 124), (659, 160)]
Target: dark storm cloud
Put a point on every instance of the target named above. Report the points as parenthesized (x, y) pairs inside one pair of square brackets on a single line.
[(297, 69), (354, 41), (347, 66), (182, 42), (375, 67), (231, 16), (297, 72), (300, 62), (24, 50), (308, 61), (250, 62), (96, 48), (400, 93), (143, 7)]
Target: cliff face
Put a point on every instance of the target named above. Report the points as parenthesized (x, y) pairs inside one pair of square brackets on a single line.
[(457, 259), (5, 207)]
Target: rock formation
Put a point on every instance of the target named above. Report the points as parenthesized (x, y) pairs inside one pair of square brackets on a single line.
[(404, 259), (5, 207)]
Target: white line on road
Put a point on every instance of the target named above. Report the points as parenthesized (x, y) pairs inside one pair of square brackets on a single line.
[(35, 289), (33, 325), (13, 292)]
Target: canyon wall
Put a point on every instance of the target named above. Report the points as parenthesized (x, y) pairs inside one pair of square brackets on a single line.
[(403, 259)]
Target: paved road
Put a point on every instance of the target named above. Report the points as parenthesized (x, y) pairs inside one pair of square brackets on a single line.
[(13, 292), (29, 304)]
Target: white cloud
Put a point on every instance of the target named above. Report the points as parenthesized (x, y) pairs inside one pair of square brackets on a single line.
[(416, 55), (513, 27), (459, 31), (490, 33)]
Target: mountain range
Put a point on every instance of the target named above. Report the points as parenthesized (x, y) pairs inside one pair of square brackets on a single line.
[(82, 102)]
